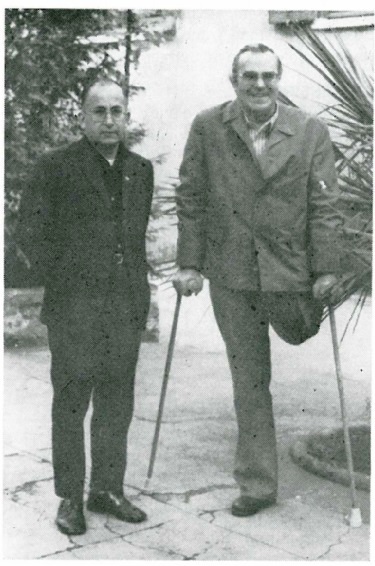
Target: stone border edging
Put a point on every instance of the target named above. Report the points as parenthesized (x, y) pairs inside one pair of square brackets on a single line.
[(22, 327), (301, 457)]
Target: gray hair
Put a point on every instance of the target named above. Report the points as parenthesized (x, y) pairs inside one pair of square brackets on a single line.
[(254, 48)]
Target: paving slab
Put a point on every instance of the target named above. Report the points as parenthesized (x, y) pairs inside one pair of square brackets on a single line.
[(44, 454), (29, 428), (353, 546), (290, 525), (24, 470), (186, 536), (237, 547), (30, 533), (190, 454), (38, 495), (120, 549), (65, 555), (298, 528), (42, 499)]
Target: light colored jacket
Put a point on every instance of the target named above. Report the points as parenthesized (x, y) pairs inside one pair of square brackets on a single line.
[(270, 223)]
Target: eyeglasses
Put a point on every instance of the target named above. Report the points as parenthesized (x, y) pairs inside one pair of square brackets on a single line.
[(100, 114), (252, 77)]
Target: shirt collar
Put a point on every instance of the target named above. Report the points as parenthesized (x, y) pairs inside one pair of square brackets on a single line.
[(269, 124), (119, 155)]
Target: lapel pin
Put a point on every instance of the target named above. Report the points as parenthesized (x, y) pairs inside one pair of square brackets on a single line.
[(323, 186), (126, 178)]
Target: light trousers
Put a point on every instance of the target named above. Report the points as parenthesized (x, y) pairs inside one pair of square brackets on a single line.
[(243, 318)]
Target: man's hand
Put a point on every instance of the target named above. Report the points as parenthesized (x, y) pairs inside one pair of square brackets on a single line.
[(188, 281), (328, 289)]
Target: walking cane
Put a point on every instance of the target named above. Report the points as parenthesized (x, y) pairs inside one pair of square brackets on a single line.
[(163, 390), (354, 517)]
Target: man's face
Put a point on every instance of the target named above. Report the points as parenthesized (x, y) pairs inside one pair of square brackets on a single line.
[(257, 83), (104, 119)]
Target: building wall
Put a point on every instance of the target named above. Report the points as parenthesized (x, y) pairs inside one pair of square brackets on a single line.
[(191, 73)]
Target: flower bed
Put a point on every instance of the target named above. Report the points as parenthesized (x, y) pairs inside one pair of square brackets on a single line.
[(324, 455)]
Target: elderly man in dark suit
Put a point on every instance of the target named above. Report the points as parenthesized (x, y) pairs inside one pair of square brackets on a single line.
[(83, 220), (257, 209)]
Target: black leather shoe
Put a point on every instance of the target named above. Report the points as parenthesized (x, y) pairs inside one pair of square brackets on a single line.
[(244, 506), (70, 519), (116, 505)]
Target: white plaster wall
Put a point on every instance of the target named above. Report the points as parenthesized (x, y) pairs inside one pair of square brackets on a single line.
[(191, 73)]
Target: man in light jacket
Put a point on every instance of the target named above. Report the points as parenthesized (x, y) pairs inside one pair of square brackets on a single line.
[(257, 209)]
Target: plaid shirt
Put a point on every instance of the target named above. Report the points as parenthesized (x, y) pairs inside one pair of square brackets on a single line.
[(260, 135)]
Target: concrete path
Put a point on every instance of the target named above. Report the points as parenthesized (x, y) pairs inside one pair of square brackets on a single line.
[(188, 501)]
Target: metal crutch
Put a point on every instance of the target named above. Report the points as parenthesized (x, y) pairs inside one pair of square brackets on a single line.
[(168, 364), (354, 518)]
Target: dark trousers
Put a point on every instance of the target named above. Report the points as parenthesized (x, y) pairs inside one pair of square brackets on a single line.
[(94, 353), (243, 318)]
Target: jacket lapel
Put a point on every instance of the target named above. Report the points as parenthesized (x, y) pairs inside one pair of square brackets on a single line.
[(233, 115), (280, 145)]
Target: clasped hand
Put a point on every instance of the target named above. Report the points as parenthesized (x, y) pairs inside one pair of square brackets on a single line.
[(188, 281), (328, 289)]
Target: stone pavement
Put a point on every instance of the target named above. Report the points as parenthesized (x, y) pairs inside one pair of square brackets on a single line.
[(188, 500)]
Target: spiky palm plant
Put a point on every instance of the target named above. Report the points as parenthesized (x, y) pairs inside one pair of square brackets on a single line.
[(350, 119)]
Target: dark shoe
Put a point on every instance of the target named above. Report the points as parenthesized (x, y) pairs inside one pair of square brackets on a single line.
[(70, 519), (244, 506), (116, 505)]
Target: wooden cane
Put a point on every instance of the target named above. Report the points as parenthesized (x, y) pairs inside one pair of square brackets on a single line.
[(168, 364), (355, 519)]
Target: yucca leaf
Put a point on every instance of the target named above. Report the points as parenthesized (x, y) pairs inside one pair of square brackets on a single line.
[(350, 118), (337, 71)]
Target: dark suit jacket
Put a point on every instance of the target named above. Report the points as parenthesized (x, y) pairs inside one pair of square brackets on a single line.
[(270, 223), (68, 232)]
